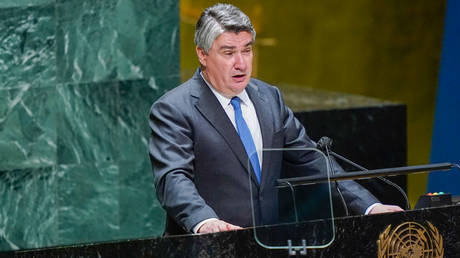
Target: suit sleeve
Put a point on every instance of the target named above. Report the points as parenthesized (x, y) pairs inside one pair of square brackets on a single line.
[(358, 199), (171, 155)]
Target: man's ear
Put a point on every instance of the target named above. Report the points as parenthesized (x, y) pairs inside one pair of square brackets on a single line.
[(201, 56)]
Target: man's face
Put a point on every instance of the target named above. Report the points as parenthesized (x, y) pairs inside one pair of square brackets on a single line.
[(228, 65)]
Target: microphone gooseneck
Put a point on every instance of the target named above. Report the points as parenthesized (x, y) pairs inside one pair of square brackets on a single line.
[(325, 143)]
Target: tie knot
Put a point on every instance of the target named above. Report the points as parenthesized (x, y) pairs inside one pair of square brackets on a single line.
[(235, 101)]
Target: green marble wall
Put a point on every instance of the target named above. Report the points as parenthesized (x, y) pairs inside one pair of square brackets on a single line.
[(77, 78)]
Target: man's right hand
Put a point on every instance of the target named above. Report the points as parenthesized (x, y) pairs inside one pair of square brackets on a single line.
[(216, 225)]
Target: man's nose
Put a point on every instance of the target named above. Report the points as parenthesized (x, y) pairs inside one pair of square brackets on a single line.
[(240, 62)]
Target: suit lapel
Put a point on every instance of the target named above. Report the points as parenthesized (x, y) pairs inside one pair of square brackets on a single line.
[(208, 105), (266, 125)]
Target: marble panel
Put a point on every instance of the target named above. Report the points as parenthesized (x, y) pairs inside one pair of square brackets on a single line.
[(140, 212), (27, 47), (106, 121), (87, 116), (27, 127), (134, 100), (116, 39), (28, 208), (88, 205)]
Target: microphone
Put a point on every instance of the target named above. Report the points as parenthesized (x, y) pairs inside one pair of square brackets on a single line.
[(325, 143)]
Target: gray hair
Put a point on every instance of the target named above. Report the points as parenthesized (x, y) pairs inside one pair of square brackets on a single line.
[(218, 19)]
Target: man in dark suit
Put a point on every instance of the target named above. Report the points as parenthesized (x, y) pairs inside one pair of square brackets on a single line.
[(208, 135)]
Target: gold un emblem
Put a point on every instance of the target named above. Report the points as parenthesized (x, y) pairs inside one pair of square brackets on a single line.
[(410, 239)]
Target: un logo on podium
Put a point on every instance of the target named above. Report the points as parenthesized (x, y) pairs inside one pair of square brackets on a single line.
[(410, 239)]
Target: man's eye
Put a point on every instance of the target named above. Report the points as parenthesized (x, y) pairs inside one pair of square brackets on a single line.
[(228, 53)]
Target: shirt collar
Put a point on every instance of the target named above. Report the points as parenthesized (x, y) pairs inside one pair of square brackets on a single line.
[(225, 101)]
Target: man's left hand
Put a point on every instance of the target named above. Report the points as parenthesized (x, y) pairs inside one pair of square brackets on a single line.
[(382, 208)]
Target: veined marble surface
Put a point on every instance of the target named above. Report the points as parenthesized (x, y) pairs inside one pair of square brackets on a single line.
[(116, 39), (27, 128), (27, 47), (23, 3), (28, 208), (77, 79)]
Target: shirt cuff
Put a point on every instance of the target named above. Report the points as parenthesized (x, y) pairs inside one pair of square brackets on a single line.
[(198, 226), (370, 208)]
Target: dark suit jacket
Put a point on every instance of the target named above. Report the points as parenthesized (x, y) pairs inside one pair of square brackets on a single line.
[(201, 167)]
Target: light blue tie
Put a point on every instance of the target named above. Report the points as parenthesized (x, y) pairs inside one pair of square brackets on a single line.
[(246, 137)]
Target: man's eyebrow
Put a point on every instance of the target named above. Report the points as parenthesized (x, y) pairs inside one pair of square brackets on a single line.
[(227, 47), (250, 43)]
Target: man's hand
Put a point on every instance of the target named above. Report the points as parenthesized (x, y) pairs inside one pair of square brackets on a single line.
[(382, 208), (216, 225)]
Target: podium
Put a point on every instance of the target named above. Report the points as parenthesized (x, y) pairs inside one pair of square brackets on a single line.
[(433, 232)]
